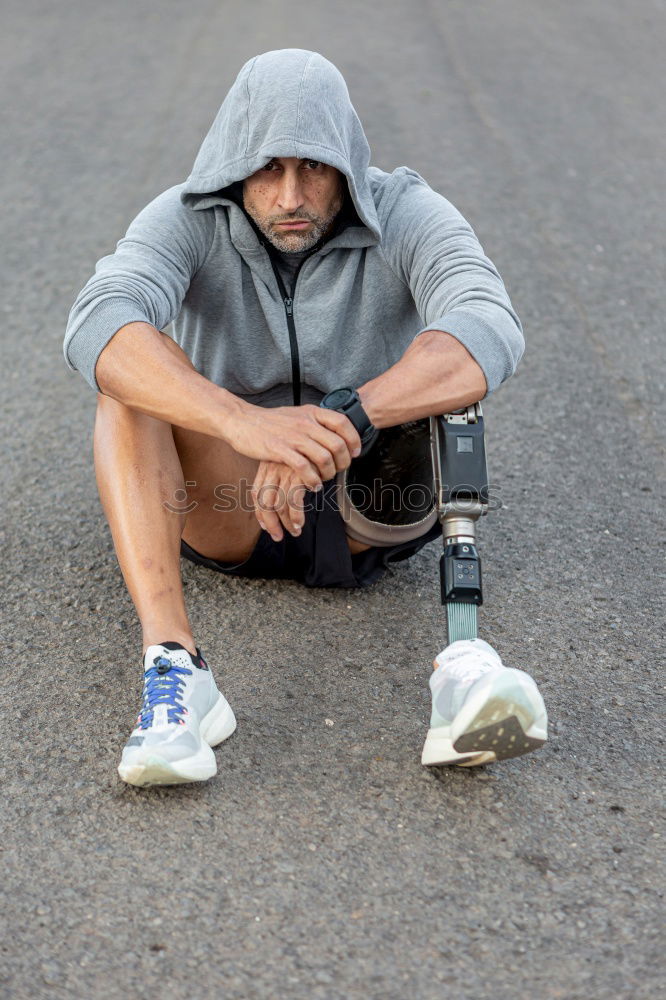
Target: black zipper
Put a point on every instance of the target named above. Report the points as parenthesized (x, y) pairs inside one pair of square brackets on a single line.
[(293, 342)]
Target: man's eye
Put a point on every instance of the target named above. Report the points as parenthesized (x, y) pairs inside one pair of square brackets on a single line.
[(313, 164)]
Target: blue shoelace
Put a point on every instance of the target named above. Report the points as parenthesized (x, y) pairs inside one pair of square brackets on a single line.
[(163, 685)]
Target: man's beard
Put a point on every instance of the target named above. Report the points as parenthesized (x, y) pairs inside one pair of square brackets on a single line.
[(295, 241)]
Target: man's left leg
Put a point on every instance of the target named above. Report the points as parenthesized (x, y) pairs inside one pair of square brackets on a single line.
[(482, 711)]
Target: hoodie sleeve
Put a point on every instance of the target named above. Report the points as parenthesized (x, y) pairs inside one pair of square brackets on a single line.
[(456, 288), (145, 280)]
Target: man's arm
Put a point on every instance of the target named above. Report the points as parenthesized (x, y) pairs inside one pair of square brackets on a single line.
[(144, 281), (138, 367), (456, 288), (436, 374)]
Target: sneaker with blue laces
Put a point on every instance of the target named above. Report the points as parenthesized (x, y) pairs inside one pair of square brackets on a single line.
[(182, 716), (481, 710)]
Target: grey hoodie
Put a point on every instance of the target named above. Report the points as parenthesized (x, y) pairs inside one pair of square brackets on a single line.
[(405, 260)]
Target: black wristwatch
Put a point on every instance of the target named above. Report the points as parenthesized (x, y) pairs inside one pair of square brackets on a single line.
[(347, 401)]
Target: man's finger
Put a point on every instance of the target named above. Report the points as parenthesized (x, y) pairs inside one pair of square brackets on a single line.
[(335, 444), (290, 510), (318, 455), (269, 497), (304, 470), (259, 480), (271, 524), (342, 425), (294, 506), (266, 481), (267, 520), (254, 489)]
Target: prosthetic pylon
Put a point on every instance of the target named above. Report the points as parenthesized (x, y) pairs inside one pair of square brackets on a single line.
[(461, 491)]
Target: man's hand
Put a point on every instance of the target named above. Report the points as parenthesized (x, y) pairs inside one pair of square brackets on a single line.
[(278, 494), (313, 442)]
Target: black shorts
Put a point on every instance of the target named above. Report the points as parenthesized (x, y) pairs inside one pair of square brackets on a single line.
[(320, 556)]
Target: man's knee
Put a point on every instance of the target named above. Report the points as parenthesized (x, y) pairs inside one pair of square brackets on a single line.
[(116, 422), (109, 405), (110, 410)]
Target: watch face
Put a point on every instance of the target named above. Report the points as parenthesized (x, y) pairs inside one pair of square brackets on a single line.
[(338, 398)]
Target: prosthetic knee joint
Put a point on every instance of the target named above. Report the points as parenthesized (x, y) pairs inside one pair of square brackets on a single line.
[(461, 494)]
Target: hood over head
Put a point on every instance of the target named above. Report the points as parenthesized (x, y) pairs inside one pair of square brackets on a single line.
[(289, 102)]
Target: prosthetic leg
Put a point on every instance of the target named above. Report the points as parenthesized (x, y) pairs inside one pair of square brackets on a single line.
[(482, 711), (461, 496)]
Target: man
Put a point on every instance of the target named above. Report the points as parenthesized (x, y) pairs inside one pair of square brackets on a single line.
[(289, 268)]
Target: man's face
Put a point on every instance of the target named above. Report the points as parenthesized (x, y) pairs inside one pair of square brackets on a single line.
[(294, 202)]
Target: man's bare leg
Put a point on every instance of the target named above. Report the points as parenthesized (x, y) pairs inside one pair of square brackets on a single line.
[(157, 483), (139, 474)]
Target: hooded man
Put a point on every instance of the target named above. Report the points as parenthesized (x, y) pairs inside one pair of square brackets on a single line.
[(285, 268)]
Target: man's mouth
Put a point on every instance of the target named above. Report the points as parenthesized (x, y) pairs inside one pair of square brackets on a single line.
[(293, 224)]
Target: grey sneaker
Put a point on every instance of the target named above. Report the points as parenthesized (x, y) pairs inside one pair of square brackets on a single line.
[(481, 710), (182, 716)]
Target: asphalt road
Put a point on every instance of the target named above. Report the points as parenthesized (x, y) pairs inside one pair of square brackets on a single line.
[(323, 861)]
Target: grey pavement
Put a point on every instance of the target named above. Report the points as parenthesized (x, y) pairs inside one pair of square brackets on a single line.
[(323, 861)]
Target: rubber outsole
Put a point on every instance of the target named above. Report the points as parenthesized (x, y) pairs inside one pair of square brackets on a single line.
[(507, 721), (157, 771), (504, 740), (217, 726)]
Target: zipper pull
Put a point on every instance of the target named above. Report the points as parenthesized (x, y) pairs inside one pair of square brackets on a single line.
[(289, 306)]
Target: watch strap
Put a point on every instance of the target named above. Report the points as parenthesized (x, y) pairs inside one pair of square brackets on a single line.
[(360, 419), (353, 409)]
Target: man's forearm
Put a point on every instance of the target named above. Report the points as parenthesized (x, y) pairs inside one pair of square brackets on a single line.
[(139, 368), (436, 374)]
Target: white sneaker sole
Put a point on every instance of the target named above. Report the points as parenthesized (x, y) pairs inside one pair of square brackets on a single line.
[(505, 720), (216, 726)]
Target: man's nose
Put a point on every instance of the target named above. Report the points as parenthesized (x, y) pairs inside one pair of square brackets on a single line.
[(290, 194)]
